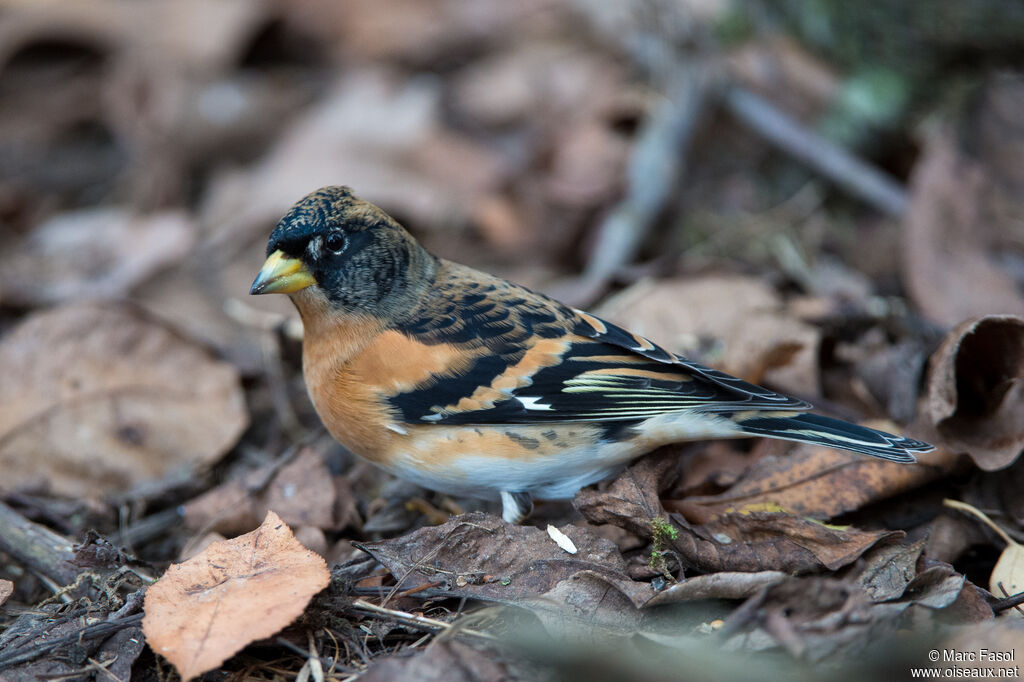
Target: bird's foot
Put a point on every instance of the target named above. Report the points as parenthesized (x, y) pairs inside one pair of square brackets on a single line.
[(515, 507)]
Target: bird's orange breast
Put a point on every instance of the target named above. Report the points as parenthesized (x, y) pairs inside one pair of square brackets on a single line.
[(351, 372)]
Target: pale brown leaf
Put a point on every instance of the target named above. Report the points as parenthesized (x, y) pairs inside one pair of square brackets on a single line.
[(97, 397), (203, 611)]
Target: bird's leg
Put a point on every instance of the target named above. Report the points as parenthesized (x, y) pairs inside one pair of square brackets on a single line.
[(515, 507)]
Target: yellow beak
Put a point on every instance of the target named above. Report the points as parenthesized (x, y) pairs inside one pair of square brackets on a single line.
[(281, 275)]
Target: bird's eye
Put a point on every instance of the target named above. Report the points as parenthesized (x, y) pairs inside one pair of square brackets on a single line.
[(335, 242)]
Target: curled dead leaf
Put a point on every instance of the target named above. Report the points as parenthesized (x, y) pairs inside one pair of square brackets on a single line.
[(771, 540), (812, 481), (975, 396), (203, 611), (97, 397)]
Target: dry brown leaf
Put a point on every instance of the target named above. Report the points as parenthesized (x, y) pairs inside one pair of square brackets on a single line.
[(114, 399), (6, 590), (477, 555), (586, 608), (92, 253), (812, 481), (949, 270), (975, 396), (885, 570), (760, 342), (818, 617), (205, 610), (766, 540), (756, 540), (302, 493)]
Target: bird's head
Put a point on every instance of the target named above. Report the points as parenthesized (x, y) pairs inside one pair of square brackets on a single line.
[(336, 249)]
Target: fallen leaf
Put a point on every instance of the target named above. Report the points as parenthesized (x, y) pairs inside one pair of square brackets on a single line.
[(92, 253), (631, 500), (477, 555), (820, 617), (759, 341), (444, 660), (760, 539), (1007, 577), (975, 397), (935, 587), (722, 585), (205, 610), (950, 270), (115, 399), (811, 481), (6, 590), (885, 570), (302, 493), (770, 540), (585, 608)]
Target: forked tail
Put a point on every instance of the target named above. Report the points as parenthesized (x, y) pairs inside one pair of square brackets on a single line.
[(818, 430)]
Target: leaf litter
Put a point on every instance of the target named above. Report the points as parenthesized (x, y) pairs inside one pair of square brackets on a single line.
[(502, 136)]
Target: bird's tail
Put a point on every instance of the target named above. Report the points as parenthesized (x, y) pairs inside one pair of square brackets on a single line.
[(818, 430)]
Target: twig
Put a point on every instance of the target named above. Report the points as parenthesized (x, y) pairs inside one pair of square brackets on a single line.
[(36, 546), (1008, 603), (831, 160), (14, 656), (656, 166), (422, 621)]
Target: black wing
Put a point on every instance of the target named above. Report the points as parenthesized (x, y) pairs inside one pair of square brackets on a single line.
[(537, 361)]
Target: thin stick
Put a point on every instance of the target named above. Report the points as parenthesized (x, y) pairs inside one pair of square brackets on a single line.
[(423, 621), (855, 176), (964, 507)]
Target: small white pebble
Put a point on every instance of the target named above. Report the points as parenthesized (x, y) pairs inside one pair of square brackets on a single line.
[(722, 538), (561, 539)]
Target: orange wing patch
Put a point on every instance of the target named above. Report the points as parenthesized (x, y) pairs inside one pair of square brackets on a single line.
[(395, 363), (644, 373), (596, 324), (544, 353)]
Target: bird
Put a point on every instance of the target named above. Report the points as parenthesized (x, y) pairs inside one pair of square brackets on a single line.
[(468, 384)]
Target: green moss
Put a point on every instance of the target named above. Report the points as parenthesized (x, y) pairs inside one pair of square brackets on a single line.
[(662, 535)]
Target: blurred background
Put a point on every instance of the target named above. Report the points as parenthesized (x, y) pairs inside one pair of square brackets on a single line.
[(809, 194), (147, 148)]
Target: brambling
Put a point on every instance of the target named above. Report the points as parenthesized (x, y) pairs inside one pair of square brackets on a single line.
[(469, 384)]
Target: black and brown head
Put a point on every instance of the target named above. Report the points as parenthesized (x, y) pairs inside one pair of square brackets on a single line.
[(334, 246)]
